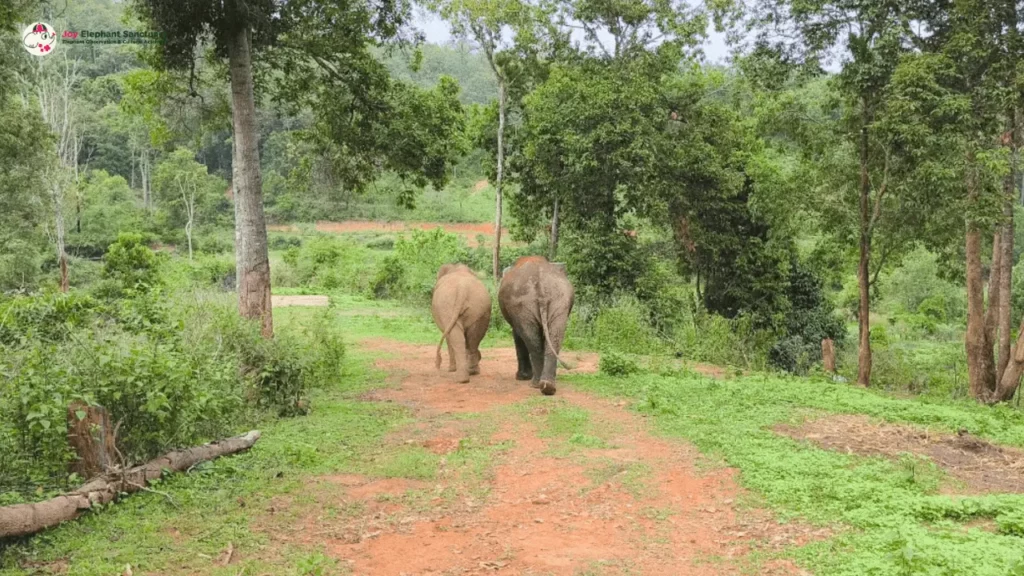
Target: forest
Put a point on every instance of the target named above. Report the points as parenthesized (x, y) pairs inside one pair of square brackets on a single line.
[(797, 339)]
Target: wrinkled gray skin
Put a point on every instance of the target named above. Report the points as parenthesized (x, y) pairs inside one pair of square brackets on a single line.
[(461, 307), (536, 298)]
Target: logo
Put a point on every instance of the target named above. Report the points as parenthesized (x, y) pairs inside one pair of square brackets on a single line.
[(39, 38)]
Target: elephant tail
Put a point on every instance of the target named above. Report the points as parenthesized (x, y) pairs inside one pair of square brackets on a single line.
[(544, 327), (455, 320)]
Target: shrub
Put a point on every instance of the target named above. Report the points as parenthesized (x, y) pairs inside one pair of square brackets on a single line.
[(210, 270), (712, 338), (381, 243), (282, 242), (624, 326), (933, 307), (20, 263), (916, 280), (387, 282), (171, 371), (131, 263), (48, 317), (325, 262), (410, 272), (879, 337), (613, 364)]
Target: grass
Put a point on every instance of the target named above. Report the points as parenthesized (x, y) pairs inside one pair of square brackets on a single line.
[(887, 515), (213, 505)]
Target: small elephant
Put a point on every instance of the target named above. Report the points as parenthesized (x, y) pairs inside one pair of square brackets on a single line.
[(461, 307), (536, 298)]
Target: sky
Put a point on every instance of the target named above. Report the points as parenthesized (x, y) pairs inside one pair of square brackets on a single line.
[(437, 31)]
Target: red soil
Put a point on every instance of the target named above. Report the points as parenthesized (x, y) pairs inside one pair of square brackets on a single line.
[(469, 231), (636, 505)]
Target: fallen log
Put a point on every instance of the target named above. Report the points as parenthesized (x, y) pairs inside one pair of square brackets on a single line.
[(25, 519)]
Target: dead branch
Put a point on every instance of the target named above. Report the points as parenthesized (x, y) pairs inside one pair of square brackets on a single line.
[(25, 519)]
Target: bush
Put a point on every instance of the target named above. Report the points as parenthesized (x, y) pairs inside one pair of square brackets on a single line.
[(381, 243), (411, 271), (325, 262), (916, 281), (810, 320), (387, 282), (717, 340), (49, 317), (20, 263), (624, 326), (208, 270), (281, 242), (131, 263), (933, 307), (613, 364), (172, 371)]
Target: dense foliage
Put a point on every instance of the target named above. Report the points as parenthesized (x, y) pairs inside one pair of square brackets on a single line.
[(172, 369)]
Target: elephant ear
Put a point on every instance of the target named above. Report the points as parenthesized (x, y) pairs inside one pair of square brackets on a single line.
[(445, 268)]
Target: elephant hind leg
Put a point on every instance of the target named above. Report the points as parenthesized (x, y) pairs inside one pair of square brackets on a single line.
[(457, 341), (451, 354), (524, 370), (474, 334)]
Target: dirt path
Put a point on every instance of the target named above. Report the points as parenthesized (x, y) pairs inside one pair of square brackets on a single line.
[(467, 230), (526, 484), (281, 301)]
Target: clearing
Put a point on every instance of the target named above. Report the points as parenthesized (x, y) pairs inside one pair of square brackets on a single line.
[(530, 485), (468, 231), (399, 470), (979, 466)]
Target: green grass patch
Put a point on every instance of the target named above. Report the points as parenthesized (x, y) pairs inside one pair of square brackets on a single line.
[(215, 503), (888, 517)]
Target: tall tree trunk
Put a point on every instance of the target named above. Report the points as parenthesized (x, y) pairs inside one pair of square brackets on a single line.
[(59, 233), (147, 193), (1009, 380), (1007, 252), (252, 259), (994, 284), (864, 265), (554, 230), (1005, 278), (980, 371), (978, 345), (1010, 364), (498, 183)]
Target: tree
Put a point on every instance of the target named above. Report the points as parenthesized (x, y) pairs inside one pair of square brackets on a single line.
[(499, 28), (185, 189), (54, 89), (979, 46), (108, 208), (237, 30), (873, 35)]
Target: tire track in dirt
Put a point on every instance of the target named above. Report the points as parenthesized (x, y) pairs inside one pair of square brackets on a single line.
[(619, 501)]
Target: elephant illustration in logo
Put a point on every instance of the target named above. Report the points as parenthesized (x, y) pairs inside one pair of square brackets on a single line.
[(39, 39)]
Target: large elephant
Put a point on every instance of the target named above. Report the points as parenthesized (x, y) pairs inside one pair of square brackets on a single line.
[(461, 307), (536, 298)]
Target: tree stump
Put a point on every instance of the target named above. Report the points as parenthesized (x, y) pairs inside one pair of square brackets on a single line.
[(91, 436), (828, 355)]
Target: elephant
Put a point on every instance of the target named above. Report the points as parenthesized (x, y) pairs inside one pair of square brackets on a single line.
[(461, 307), (536, 297)]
